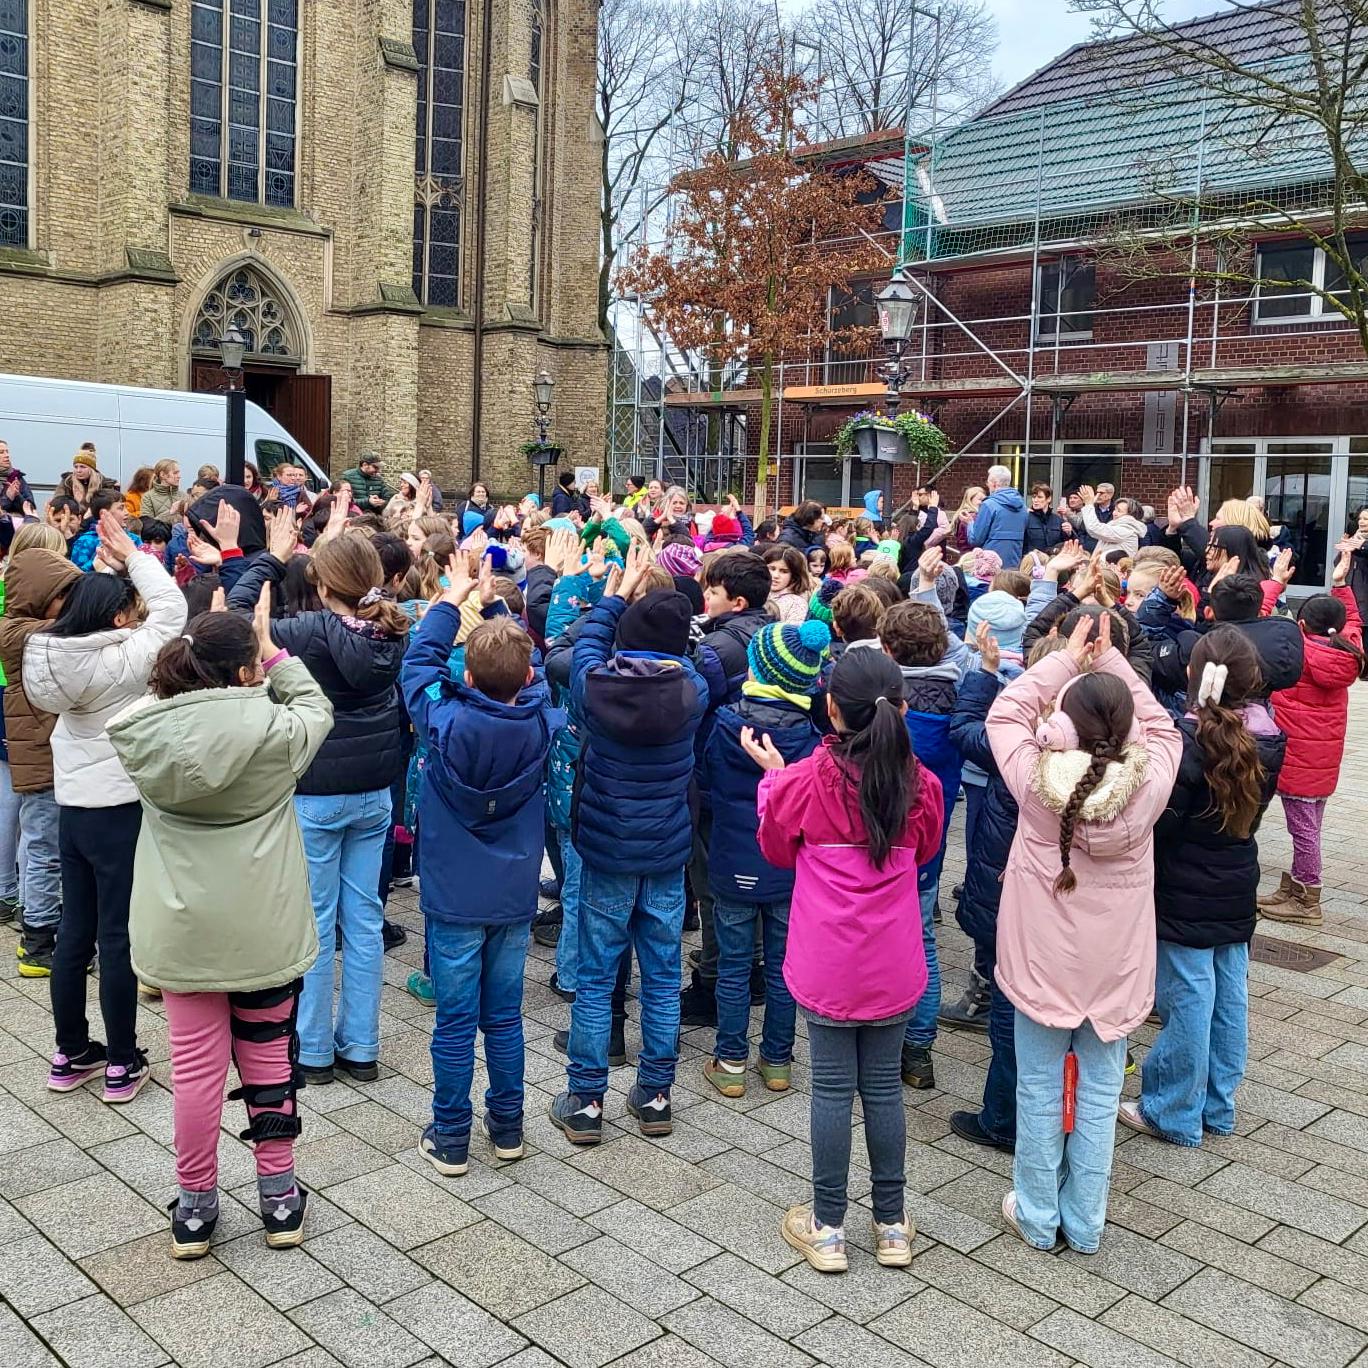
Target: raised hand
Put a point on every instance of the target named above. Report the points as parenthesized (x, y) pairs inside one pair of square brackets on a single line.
[(1087, 494), (1067, 559), (1230, 567), (1172, 583), (459, 581), (201, 551), (281, 534), (598, 562), (762, 752), (1341, 570), (226, 526), (261, 624), (929, 566), (485, 582), (990, 653), (116, 544), (638, 562), (1283, 569), (1182, 506)]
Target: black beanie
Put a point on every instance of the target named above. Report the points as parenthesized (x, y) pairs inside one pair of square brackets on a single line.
[(659, 622)]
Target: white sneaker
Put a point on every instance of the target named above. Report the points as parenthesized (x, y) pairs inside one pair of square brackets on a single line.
[(824, 1247), (893, 1242)]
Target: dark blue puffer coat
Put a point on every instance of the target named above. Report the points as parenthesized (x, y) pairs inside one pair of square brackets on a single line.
[(978, 906), (630, 813), (737, 872)]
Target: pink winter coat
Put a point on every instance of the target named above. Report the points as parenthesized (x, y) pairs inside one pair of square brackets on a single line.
[(1089, 955), (855, 932)]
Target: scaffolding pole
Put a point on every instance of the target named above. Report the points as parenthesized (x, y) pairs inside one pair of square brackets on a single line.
[(1192, 287)]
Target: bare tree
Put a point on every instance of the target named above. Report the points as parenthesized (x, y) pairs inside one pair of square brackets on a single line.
[(1291, 82), (733, 46), (881, 59)]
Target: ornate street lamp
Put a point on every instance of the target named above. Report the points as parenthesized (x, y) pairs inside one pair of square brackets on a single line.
[(232, 348)]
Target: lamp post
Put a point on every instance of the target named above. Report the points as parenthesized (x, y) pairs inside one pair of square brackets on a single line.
[(543, 391), (898, 307), (232, 348)]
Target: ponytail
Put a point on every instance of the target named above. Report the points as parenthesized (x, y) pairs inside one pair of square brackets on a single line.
[(1223, 674), (211, 654), (1323, 616), (875, 749), (349, 568)]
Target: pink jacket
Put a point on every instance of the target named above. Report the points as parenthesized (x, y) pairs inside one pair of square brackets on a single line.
[(1088, 955), (855, 932)]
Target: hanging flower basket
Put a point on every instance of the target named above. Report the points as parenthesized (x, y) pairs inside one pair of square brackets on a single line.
[(909, 438), (541, 454)]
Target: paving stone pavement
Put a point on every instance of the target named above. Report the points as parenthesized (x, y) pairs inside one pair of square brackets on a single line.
[(1251, 1251)]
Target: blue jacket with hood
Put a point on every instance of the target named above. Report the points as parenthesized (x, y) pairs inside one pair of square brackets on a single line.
[(481, 823), (1001, 525), (640, 711), (737, 872)]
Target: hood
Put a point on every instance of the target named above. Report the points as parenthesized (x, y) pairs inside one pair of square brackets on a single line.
[(630, 696), (70, 673), (251, 533), (33, 579), (186, 753), (1007, 498), (1057, 774), (919, 674), (368, 661), (871, 504)]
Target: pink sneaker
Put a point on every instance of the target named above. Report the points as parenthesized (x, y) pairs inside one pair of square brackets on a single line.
[(69, 1072), (123, 1084)]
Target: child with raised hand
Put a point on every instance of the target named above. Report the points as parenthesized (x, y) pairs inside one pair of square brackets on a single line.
[(1314, 713), (481, 832), (1206, 879), (748, 891), (1090, 757), (854, 821), (222, 921)]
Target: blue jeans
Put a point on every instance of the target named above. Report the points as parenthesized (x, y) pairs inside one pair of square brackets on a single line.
[(40, 859), (477, 975), (344, 841), (998, 1117), (616, 911), (567, 946), (921, 1025), (734, 924), (1061, 1181), (1198, 1059), (9, 836)]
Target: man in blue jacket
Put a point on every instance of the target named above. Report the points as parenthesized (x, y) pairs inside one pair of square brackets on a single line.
[(1000, 524), (641, 702), (481, 827)]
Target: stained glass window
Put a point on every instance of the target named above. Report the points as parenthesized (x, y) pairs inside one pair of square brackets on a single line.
[(14, 100), (438, 170), (243, 79), (245, 300)]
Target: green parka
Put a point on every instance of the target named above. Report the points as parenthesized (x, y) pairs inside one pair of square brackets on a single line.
[(220, 883)]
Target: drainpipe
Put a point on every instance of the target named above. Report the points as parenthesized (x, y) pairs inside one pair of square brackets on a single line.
[(481, 186)]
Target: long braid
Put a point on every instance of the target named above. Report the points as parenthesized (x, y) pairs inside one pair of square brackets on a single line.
[(1103, 753)]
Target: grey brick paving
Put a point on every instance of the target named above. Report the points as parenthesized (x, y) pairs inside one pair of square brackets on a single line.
[(1250, 1252)]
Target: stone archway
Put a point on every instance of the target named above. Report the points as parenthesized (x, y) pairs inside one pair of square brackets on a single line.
[(246, 298)]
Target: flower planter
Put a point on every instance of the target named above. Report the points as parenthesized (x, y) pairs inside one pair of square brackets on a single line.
[(538, 455), (880, 443)]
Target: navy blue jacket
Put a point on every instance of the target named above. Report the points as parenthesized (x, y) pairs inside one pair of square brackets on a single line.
[(1044, 531), (730, 638), (481, 812), (631, 812), (737, 872), (978, 907)]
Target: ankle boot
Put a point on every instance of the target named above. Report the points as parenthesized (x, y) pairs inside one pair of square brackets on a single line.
[(1302, 907), (1280, 894)]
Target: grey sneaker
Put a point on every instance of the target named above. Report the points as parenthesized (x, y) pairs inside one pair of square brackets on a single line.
[(971, 1011)]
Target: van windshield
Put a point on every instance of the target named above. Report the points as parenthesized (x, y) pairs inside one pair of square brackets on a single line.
[(270, 455)]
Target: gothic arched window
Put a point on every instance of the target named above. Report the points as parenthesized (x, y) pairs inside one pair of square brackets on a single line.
[(243, 81), (246, 300), (439, 40), (14, 121)]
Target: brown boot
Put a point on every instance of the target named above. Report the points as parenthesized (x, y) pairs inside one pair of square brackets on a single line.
[(1301, 909), (1279, 895)]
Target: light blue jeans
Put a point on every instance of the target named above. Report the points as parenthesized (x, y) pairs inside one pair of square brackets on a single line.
[(567, 946), (921, 1025), (9, 836), (477, 976), (1062, 1181), (344, 841), (1198, 1059), (39, 859)]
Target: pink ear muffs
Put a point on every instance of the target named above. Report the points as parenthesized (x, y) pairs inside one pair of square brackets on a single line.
[(1057, 732)]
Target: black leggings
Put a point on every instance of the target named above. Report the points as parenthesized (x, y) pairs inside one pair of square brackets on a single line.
[(97, 847)]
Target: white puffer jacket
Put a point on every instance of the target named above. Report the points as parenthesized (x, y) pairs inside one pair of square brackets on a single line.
[(85, 680)]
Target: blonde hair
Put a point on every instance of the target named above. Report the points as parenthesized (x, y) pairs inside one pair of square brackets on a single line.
[(162, 467), (1156, 555), (430, 524), (437, 549), (348, 568), (653, 579), (1242, 513), (42, 535), (965, 509), (635, 532), (840, 556)]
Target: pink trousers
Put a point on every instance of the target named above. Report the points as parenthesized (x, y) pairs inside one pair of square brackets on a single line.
[(202, 1045)]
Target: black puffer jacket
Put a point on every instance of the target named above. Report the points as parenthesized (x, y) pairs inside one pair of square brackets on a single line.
[(1277, 640), (1044, 531), (801, 537), (730, 637), (357, 667), (1206, 880), (1139, 655)]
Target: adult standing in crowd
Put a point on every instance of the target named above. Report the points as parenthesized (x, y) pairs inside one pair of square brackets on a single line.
[(165, 491), (368, 486), (15, 495), (1000, 523)]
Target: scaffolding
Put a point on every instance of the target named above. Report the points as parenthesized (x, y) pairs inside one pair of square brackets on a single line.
[(1174, 170)]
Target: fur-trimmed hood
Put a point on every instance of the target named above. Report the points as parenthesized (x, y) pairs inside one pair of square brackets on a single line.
[(1057, 774)]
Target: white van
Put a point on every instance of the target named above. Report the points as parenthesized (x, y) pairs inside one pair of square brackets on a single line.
[(45, 421)]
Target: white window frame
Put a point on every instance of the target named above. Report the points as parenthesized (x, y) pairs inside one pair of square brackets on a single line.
[(1057, 314), (1316, 306)]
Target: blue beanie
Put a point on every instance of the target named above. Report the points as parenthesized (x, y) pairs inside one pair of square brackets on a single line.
[(1005, 616), (789, 656), (471, 521)]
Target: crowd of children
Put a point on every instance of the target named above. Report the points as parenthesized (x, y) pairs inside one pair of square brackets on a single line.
[(759, 731)]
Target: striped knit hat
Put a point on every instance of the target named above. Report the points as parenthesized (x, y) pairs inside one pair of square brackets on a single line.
[(789, 657), (819, 605)]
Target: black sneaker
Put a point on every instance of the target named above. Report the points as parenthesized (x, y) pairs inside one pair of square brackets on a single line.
[(917, 1068), (547, 933), (69, 1072), (698, 1003), (617, 1044), (581, 1119), (11, 909), (392, 934), (123, 1082), (359, 1071), (971, 1011), (757, 985), (316, 1077), (285, 1224), (34, 951), (565, 994), (190, 1237), (549, 889), (968, 1127), (451, 1158), (652, 1111)]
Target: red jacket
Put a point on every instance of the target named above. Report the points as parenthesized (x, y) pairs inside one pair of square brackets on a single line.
[(1314, 712)]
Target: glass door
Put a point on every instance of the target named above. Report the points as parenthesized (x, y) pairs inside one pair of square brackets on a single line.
[(1228, 476), (1297, 495)]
